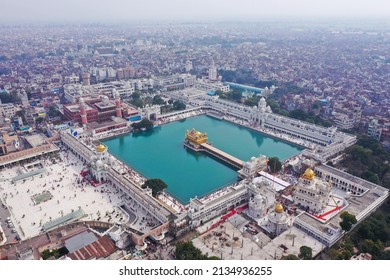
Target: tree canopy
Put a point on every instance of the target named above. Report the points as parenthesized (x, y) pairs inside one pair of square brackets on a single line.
[(156, 185), (187, 251), (348, 220), (290, 257), (373, 234), (158, 100), (233, 95), (178, 105), (305, 253), (369, 160), (143, 124), (274, 164), (53, 111), (9, 97)]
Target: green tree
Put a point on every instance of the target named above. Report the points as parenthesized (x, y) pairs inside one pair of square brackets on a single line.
[(39, 120), (370, 176), (144, 124), (236, 95), (372, 247), (9, 97), (386, 180), (219, 92), (53, 111), (178, 105), (298, 114), (137, 102), (290, 257), (348, 220), (136, 95), (274, 164), (156, 185), (333, 253), (158, 100), (305, 253), (187, 251)]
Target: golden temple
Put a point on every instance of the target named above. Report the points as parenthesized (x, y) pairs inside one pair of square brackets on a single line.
[(196, 137)]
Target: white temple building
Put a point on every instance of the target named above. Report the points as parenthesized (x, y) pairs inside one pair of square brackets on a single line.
[(251, 167), (276, 221), (261, 198), (311, 193), (100, 163)]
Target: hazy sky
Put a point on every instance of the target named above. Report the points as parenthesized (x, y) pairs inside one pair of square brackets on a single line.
[(122, 10)]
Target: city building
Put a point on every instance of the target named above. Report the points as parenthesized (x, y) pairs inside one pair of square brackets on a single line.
[(9, 142), (252, 167), (261, 198), (311, 193), (100, 163), (188, 66), (276, 221), (374, 129), (99, 110), (7, 110), (213, 73), (211, 86), (86, 79), (328, 142)]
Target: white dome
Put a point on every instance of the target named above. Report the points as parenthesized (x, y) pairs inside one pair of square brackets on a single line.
[(258, 198), (99, 163), (105, 99)]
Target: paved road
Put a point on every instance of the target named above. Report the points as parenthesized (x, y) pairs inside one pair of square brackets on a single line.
[(4, 213)]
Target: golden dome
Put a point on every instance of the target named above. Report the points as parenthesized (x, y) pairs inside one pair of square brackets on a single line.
[(309, 174), (279, 208), (101, 148)]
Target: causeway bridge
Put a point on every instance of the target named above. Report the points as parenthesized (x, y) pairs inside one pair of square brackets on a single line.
[(222, 155), (197, 141)]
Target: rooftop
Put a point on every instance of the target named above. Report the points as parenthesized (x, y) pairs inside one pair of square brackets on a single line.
[(36, 140), (105, 105), (79, 241), (101, 248)]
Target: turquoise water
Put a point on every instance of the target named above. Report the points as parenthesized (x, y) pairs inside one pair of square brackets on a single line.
[(160, 154)]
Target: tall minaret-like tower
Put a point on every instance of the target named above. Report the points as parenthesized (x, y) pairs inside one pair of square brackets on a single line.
[(86, 79), (118, 106), (213, 75), (83, 112), (24, 99)]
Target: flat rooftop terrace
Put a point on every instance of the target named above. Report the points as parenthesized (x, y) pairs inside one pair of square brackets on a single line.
[(69, 194), (231, 242)]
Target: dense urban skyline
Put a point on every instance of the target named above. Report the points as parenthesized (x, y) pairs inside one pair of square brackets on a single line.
[(121, 10), (259, 128)]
